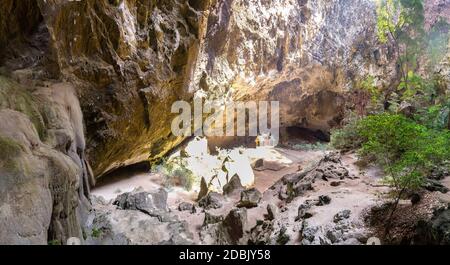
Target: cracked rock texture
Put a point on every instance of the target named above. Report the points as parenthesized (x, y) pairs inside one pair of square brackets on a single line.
[(97, 80), (44, 177), (130, 60)]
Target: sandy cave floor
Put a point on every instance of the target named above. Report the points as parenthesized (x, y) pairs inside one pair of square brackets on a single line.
[(356, 194)]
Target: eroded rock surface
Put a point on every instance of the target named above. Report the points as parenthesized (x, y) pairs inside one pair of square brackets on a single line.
[(130, 60), (44, 175)]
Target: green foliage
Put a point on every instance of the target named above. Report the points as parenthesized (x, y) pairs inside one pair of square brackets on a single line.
[(435, 116), (368, 85), (54, 242), (96, 233), (405, 149), (347, 137), (176, 172), (390, 18), (401, 23), (16, 97)]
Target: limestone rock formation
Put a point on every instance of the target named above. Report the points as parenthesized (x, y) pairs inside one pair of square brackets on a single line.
[(44, 177), (112, 225), (233, 187), (123, 63), (130, 60)]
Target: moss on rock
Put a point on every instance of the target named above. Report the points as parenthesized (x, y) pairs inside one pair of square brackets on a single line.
[(16, 97)]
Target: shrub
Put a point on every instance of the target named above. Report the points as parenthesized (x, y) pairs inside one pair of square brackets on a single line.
[(347, 137), (175, 172), (318, 146), (96, 233), (406, 150), (435, 116)]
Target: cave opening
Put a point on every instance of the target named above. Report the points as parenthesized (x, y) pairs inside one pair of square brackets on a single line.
[(217, 159)]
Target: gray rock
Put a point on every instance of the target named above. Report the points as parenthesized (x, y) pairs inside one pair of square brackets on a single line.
[(350, 241), (303, 211), (324, 200), (211, 201), (203, 189), (272, 211), (259, 163), (435, 185), (373, 241), (233, 187), (309, 232), (235, 223), (151, 203), (406, 109), (250, 198), (335, 183), (114, 226), (282, 237), (342, 215), (334, 236), (212, 219), (186, 206)]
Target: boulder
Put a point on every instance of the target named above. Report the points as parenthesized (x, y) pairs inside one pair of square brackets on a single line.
[(233, 187), (415, 198), (235, 223), (116, 226), (324, 200), (434, 185), (303, 211), (151, 203), (373, 241), (250, 198), (212, 219), (272, 211), (186, 206), (257, 164), (211, 201), (342, 215), (203, 189), (406, 109)]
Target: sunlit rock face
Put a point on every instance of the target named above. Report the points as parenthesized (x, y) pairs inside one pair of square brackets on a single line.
[(305, 54), (130, 60), (218, 169)]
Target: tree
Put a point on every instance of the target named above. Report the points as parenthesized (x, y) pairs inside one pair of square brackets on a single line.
[(406, 150), (401, 23)]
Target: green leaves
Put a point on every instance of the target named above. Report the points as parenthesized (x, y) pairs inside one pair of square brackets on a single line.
[(406, 150), (388, 22)]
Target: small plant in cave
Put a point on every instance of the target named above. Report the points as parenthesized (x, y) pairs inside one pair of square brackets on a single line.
[(96, 233), (54, 242), (175, 172), (347, 137)]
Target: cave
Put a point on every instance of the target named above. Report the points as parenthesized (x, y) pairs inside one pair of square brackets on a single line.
[(102, 141)]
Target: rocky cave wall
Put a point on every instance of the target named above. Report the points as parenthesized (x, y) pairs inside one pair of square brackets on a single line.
[(129, 60), (121, 63)]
